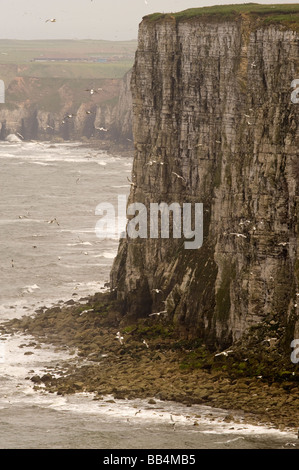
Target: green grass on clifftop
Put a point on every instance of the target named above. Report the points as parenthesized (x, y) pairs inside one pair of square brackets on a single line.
[(285, 14)]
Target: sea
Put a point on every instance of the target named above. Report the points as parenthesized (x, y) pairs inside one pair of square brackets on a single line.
[(50, 252)]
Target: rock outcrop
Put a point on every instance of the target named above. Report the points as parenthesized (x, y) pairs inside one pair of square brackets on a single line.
[(59, 114), (212, 103)]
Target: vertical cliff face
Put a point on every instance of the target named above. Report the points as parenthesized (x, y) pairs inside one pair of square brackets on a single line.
[(212, 103)]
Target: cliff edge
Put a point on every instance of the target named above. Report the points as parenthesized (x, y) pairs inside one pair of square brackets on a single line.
[(212, 103)]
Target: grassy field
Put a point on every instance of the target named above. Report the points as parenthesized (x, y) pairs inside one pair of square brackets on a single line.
[(286, 14), (24, 51), (18, 58), (75, 70)]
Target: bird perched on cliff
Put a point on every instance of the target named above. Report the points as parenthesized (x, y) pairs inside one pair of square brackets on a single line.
[(157, 290), (131, 182), (146, 344)]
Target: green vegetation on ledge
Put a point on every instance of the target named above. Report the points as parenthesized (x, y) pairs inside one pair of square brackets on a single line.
[(285, 14)]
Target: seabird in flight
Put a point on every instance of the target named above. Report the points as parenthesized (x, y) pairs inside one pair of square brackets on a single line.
[(238, 234), (119, 337), (179, 176)]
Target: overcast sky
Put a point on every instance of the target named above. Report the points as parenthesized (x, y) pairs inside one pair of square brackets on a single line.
[(88, 19)]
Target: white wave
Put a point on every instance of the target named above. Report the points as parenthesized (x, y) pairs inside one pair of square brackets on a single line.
[(30, 289), (121, 186), (42, 164), (109, 255), (79, 244)]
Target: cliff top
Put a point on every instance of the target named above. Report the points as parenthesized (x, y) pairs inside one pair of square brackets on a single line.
[(285, 14)]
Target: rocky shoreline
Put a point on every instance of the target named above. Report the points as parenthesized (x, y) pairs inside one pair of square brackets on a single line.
[(149, 360)]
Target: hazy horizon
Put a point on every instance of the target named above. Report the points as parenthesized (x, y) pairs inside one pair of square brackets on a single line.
[(115, 20)]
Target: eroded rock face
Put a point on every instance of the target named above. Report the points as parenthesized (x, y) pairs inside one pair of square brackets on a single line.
[(33, 120), (212, 102)]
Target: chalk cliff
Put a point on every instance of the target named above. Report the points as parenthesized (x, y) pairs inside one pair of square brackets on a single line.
[(40, 111), (212, 103)]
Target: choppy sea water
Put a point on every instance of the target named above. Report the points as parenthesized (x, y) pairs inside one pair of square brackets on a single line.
[(42, 263)]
